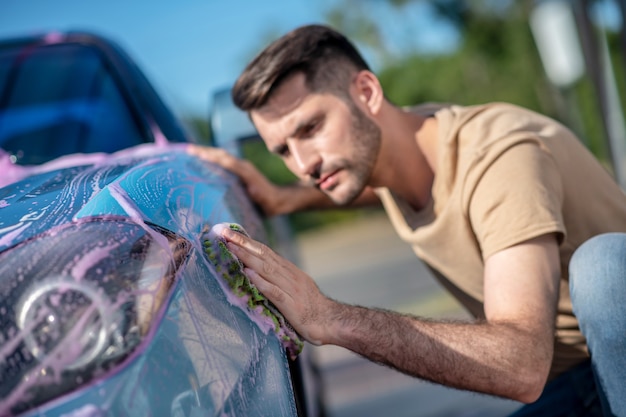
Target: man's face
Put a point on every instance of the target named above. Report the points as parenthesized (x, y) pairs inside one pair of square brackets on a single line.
[(322, 138)]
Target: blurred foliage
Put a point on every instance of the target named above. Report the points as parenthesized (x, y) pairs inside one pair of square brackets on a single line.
[(617, 44), (495, 62), (268, 163), (198, 128)]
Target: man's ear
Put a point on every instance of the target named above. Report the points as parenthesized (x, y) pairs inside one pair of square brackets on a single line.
[(368, 91)]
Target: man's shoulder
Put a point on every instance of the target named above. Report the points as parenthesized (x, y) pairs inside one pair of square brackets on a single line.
[(481, 112), (428, 109), (500, 119)]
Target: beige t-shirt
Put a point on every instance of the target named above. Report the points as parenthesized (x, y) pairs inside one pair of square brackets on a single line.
[(505, 175)]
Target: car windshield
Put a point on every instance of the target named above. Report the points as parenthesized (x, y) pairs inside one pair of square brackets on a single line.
[(77, 300), (61, 99)]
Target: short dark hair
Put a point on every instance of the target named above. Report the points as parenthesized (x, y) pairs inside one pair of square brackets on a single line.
[(323, 55)]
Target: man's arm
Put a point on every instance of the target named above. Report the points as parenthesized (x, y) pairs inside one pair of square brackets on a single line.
[(271, 198), (508, 354)]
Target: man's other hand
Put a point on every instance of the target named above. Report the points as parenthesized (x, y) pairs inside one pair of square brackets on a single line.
[(271, 198)]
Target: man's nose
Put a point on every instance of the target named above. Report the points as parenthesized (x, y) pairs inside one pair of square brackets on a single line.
[(307, 161)]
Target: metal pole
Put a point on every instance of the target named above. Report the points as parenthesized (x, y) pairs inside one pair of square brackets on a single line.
[(622, 6), (600, 71)]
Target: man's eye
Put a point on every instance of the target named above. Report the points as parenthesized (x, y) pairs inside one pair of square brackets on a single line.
[(308, 130), (283, 151)]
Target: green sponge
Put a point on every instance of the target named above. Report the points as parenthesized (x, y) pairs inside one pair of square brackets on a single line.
[(248, 297)]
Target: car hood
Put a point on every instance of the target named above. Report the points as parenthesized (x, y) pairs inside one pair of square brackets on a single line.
[(61, 229), (149, 184)]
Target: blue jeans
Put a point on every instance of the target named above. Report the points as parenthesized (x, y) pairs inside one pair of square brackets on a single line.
[(598, 290), (571, 394)]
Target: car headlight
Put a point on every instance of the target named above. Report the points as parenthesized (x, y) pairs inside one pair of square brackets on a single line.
[(61, 309), (77, 300)]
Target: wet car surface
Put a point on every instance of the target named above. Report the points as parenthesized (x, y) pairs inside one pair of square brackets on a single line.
[(108, 305)]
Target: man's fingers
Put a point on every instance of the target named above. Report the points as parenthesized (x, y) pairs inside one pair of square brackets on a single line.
[(260, 258), (249, 251), (220, 157), (207, 153), (253, 258), (256, 248), (271, 291), (235, 237)]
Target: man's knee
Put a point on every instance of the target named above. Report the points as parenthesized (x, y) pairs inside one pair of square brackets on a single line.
[(597, 275)]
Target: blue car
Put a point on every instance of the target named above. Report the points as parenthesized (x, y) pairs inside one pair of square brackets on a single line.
[(108, 303)]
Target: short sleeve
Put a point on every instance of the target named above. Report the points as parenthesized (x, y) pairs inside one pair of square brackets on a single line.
[(518, 197)]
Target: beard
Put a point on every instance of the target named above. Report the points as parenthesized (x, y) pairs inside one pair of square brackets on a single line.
[(365, 139)]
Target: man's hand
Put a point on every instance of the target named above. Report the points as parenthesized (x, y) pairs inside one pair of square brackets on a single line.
[(272, 199), (292, 291)]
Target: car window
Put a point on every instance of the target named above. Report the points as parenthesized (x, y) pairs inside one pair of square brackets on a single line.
[(61, 99)]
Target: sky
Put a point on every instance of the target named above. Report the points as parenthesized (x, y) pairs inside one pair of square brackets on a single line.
[(188, 48)]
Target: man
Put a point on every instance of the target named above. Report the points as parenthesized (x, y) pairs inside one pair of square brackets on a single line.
[(494, 198)]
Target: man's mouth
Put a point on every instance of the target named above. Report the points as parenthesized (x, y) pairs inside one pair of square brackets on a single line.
[(328, 182)]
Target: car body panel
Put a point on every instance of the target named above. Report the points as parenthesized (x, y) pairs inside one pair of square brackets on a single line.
[(175, 191), (108, 304)]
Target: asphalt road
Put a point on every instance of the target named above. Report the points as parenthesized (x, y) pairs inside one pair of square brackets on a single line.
[(365, 263)]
